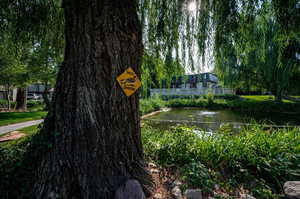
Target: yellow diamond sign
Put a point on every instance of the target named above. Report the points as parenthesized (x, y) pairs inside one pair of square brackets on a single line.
[(129, 82)]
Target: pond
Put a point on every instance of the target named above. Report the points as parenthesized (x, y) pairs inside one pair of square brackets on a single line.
[(212, 120)]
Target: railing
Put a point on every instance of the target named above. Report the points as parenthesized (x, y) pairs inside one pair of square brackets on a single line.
[(192, 91)]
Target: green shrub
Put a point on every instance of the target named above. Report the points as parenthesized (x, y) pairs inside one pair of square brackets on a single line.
[(150, 105), (196, 175), (19, 160), (3, 104), (217, 102), (255, 155), (210, 98), (33, 103)]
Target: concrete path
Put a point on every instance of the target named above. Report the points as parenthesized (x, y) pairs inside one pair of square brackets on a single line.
[(13, 127)]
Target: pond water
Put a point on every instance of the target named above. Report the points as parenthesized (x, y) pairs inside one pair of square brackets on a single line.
[(212, 120)]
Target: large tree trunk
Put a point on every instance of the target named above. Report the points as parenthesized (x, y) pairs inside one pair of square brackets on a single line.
[(93, 127), (278, 97), (8, 98), (278, 93), (46, 96), (21, 101)]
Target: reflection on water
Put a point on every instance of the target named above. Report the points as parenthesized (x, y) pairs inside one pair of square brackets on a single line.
[(213, 120), (208, 113)]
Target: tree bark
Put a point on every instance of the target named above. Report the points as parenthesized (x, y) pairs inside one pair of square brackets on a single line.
[(21, 101), (45, 96), (278, 98), (94, 129), (8, 98), (278, 93)]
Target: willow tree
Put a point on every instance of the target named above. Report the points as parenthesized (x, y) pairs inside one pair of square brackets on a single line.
[(259, 52), (93, 129)]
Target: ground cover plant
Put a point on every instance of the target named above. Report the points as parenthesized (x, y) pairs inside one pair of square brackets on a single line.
[(16, 169), (257, 159)]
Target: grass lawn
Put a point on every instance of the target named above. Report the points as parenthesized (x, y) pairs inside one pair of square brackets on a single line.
[(261, 98), (16, 117), (258, 97)]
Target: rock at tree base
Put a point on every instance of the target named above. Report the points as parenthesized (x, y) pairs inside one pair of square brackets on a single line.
[(177, 192), (158, 196), (246, 196), (292, 189), (130, 190), (193, 194)]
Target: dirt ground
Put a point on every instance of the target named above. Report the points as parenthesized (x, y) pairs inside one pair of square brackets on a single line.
[(11, 136)]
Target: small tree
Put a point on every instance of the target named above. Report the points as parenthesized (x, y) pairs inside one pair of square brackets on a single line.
[(11, 68)]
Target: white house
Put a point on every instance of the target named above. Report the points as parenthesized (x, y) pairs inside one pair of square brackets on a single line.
[(197, 84)]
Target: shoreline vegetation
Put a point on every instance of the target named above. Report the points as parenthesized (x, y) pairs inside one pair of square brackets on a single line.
[(256, 161), (231, 102)]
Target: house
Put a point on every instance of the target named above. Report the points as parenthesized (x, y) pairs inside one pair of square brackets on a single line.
[(203, 80), (37, 89), (195, 84)]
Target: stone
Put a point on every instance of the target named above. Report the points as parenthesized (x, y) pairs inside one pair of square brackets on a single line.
[(246, 196), (292, 189), (177, 192), (154, 171), (193, 194), (152, 165), (131, 189), (217, 187), (158, 196), (176, 183), (215, 194)]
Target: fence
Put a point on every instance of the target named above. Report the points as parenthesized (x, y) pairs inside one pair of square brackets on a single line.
[(192, 91)]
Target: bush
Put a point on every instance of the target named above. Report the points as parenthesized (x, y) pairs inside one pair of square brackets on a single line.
[(34, 103), (217, 102), (3, 104), (267, 158), (227, 97), (19, 160), (150, 105), (31, 104), (196, 175), (16, 174), (210, 98)]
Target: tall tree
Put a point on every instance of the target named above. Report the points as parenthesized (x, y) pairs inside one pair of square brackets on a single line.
[(94, 127), (260, 54), (12, 70), (23, 78)]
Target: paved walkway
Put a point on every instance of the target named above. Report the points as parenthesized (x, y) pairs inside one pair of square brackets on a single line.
[(13, 127)]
